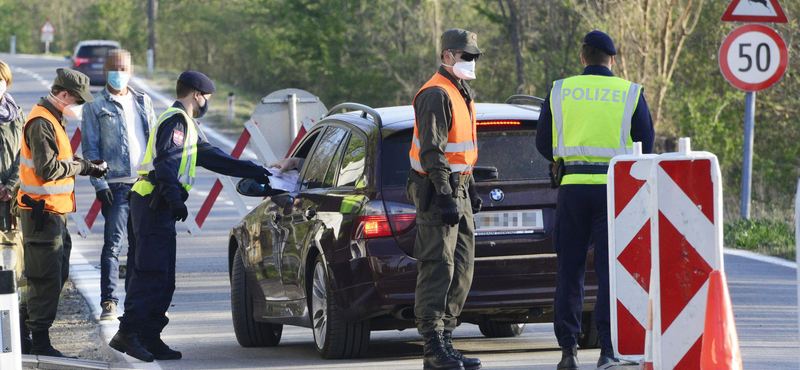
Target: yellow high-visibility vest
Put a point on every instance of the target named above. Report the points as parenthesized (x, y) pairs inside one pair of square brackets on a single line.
[(186, 171), (592, 122)]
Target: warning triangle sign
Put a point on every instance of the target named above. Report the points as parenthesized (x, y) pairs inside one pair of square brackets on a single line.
[(764, 11)]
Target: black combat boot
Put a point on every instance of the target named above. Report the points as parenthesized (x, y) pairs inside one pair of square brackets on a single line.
[(436, 356), (160, 350), (569, 359), (25, 337), (128, 342), (469, 363), (606, 357), (41, 345)]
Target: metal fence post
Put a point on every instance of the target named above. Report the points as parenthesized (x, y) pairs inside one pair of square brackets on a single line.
[(13, 44)]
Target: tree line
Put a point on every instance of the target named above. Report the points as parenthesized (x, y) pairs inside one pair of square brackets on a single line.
[(379, 52)]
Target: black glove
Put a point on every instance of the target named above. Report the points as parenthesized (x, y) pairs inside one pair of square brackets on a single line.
[(179, 211), (474, 199), (105, 197), (449, 209), (90, 169), (264, 178)]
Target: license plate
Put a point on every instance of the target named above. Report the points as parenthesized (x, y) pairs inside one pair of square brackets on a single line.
[(97, 66), (510, 222)]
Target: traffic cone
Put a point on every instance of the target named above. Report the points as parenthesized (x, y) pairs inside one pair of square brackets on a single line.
[(720, 349), (647, 363)]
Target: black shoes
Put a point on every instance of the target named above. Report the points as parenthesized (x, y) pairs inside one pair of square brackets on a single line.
[(469, 363), (160, 350), (569, 359), (127, 342), (436, 357), (25, 338), (606, 357), (40, 345)]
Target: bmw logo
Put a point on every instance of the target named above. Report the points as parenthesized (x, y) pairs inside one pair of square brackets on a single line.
[(497, 195)]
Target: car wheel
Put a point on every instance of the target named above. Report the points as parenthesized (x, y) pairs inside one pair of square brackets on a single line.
[(590, 337), (249, 332), (492, 329), (333, 337)]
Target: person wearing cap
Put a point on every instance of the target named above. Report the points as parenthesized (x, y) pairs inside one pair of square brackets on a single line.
[(157, 201), (586, 120), (443, 151), (46, 195), (116, 127)]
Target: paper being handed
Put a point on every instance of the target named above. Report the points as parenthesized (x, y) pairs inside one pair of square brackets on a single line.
[(283, 181)]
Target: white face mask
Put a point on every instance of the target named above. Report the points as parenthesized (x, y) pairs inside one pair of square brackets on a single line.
[(3, 86), (463, 70), (69, 110)]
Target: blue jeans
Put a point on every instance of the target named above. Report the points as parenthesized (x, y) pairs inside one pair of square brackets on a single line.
[(116, 217)]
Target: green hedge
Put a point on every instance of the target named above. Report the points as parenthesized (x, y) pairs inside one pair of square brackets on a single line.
[(771, 237)]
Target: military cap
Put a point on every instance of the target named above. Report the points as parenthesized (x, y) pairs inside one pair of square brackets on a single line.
[(74, 81), (198, 81), (458, 39), (601, 41)]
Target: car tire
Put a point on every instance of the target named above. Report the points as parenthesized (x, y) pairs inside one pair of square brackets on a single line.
[(249, 332), (492, 329), (590, 336), (334, 338)]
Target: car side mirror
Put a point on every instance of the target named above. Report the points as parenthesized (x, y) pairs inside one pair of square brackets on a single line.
[(252, 188), (483, 173)]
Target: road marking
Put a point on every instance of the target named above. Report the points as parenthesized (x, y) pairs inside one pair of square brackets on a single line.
[(761, 257)]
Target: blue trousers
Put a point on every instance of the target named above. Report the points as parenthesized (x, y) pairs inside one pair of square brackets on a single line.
[(116, 216), (581, 219), (152, 280)]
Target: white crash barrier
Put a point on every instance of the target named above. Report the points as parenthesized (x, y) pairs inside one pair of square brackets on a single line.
[(10, 350)]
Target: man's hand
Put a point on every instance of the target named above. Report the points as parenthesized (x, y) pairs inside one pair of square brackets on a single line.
[(91, 169), (179, 211), (474, 199), (5, 193), (286, 164), (105, 197), (449, 209), (263, 179)]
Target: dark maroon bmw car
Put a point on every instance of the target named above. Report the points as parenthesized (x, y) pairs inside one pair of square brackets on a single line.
[(336, 255)]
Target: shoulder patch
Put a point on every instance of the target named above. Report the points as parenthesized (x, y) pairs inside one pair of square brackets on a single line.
[(177, 137)]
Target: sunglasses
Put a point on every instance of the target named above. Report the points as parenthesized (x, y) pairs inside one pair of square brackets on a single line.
[(465, 56), (80, 100)]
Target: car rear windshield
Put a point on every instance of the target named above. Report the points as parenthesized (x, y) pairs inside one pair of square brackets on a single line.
[(510, 149), (94, 51)]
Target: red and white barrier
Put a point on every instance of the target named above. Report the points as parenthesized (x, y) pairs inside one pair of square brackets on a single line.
[(629, 251), (686, 228)]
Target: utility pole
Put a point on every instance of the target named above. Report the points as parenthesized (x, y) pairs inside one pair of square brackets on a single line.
[(152, 15)]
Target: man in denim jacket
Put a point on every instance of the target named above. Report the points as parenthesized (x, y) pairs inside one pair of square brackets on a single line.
[(116, 127)]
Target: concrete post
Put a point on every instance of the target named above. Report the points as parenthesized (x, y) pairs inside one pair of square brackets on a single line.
[(231, 100), (13, 44)]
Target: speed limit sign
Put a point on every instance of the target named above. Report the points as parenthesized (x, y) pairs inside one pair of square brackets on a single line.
[(753, 57)]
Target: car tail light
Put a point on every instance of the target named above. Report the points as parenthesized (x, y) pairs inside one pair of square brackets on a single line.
[(377, 222), (499, 123), (79, 61)]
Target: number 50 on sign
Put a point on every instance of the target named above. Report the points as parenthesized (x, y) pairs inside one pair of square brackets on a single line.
[(753, 57)]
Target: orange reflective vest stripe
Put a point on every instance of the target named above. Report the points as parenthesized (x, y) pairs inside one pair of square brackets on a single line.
[(462, 145), (59, 195)]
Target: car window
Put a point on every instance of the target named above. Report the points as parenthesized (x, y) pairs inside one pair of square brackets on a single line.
[(316, 167), (308, 143), (352, 170), (95, 51), (333, 169)]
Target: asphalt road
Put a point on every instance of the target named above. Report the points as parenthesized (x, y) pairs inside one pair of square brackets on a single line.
[(764, 294)]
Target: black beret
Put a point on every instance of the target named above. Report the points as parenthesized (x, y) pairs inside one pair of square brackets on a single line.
[(198, 81), (601, 41)]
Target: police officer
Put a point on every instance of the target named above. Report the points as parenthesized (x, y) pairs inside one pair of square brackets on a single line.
[(157, 202), (46, 195), (443, 151), (586, 120)]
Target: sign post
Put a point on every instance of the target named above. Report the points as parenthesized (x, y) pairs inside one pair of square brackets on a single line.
[(753, 58), (46, 33)]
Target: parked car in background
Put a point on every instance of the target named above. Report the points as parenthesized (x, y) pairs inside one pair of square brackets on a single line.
[(337, 254), (90, 57)]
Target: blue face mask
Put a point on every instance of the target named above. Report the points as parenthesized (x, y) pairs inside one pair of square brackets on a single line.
[(118, 80)]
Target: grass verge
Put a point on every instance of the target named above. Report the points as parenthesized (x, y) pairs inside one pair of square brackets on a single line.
[(770, 237)]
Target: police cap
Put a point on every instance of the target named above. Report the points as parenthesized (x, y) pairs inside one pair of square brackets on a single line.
[(198, 81), (601, 41)]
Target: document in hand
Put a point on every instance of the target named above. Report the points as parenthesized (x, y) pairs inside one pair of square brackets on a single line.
[(283, 181)]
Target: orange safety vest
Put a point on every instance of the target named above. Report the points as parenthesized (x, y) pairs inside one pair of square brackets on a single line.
[(59, 195), (462, 145)]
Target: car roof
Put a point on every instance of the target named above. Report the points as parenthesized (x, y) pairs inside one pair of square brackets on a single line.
[(402, 117), (98, 43)]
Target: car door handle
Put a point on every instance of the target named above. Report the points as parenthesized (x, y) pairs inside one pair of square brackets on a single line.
[(309, 213)]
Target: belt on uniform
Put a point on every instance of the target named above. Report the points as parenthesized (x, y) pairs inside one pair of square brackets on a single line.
[(586, 170)]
